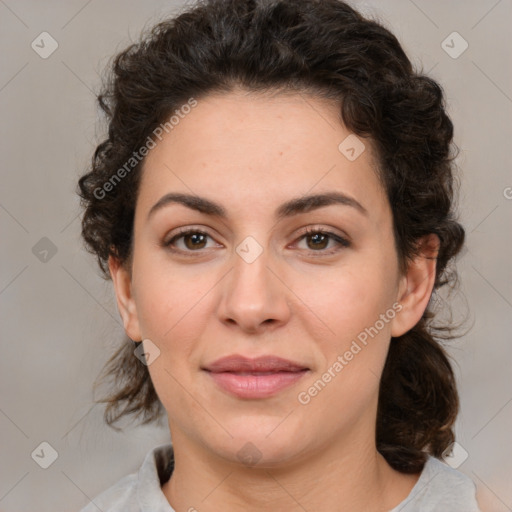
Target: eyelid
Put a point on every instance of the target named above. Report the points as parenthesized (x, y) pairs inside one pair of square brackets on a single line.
[(325, 230)]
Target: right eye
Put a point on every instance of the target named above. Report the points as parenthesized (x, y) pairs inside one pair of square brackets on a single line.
[(193, 239)]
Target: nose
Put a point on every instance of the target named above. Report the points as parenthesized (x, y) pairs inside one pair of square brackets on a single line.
[(254, 294)]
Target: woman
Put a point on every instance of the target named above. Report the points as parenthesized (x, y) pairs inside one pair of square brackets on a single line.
[(273, 204)]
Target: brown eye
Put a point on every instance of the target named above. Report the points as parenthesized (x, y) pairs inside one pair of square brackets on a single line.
[(317, 240), (193, 240)]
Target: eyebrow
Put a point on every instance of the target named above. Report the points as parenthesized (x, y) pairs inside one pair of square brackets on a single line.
[(292, 207)]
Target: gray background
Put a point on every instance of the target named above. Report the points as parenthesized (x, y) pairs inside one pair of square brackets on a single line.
[(59, 319)]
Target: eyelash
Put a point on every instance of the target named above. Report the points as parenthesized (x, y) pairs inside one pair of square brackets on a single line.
[(343, 243)]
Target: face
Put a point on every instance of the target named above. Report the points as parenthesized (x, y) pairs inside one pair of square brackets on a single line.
[(317, 284)]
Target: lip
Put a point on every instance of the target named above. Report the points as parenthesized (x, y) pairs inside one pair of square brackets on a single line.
[(259, 377), (270, 363)]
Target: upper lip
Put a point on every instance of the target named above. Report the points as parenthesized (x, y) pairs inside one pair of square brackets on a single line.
[(238, 363)]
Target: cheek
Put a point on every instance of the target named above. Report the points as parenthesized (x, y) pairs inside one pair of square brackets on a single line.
[(175, 321), (173, 312), (354, 345), (349, 299), (167, 295), (352, 351)]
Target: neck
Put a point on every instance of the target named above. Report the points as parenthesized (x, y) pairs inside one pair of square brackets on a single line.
[(351, 476)]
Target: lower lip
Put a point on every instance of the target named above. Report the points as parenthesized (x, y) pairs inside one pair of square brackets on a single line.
[(255, 386)]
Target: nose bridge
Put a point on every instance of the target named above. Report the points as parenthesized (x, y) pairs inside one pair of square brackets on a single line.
[(253, 294)]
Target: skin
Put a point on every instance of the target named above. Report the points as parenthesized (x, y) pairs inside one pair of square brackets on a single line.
[(251, 153)]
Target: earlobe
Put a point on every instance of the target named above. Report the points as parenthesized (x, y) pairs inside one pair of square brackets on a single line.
[(124, 297), (416, 286)]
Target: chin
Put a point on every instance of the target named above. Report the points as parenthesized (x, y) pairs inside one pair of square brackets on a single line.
[(262, 445)]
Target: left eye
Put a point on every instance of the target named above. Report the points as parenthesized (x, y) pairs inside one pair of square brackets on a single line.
[(320, 238), (195, 240)]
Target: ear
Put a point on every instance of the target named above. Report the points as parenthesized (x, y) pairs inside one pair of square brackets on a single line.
[(416, 286), (125, 301)]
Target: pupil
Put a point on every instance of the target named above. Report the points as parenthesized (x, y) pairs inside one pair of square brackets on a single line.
[(316, 237), (195, 238)]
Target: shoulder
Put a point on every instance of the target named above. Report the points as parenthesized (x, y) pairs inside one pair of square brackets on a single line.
[(441, 488), (141, 490), (120, 497)]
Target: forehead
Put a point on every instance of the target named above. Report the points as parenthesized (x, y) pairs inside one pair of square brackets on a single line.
[(258, 150)]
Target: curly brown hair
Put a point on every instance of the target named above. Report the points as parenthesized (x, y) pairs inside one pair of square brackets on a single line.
[(326, 48)]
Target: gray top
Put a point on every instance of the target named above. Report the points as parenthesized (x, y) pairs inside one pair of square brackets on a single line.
[(440, 488)]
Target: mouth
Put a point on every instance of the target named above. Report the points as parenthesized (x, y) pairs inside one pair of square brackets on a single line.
[(261, 377), (240, 364)]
